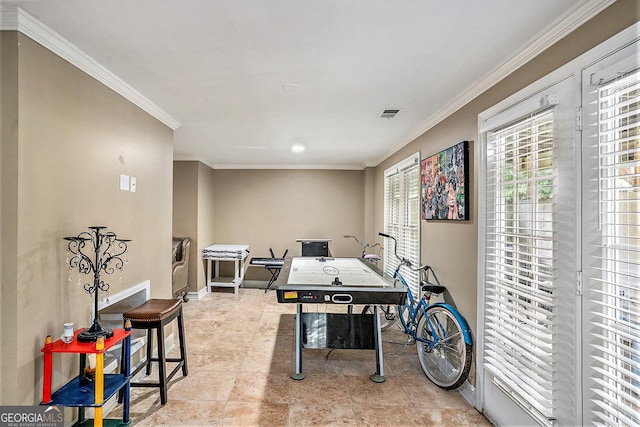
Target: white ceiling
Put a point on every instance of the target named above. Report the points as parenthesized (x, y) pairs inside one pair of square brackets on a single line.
[(242, 81)]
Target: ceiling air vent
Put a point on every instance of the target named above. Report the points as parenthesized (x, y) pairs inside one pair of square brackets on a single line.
[(389, 114)]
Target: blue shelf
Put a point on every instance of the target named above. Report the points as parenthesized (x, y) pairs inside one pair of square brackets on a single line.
[(80, 392)]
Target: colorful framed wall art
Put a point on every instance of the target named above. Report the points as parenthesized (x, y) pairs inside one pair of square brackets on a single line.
[(444, 182)]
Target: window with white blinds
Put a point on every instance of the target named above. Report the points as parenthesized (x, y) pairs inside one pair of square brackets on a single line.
[(559, 245), (520, 291), (614, 253), (402, 217)]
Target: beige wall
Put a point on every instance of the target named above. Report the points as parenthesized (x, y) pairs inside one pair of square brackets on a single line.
[(74, 138), (185, 199), (267, 209), (369, 232), (8, 213), (185, 210), (451, 248), (206, 220), (193, 188), (273, 208)]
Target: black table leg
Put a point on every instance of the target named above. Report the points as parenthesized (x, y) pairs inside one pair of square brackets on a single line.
[(298, 375), (378, 377)]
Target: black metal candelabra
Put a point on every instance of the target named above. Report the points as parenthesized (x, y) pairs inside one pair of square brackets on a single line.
[(107, 256)]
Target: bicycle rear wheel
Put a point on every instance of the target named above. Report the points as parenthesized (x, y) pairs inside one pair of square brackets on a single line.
[(387, 315), (445, 357)]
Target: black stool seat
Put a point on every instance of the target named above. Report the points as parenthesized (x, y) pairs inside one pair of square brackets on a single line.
[(155, 314)]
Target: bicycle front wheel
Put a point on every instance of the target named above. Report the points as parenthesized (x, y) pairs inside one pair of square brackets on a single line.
[(387, 315), (444, 356)]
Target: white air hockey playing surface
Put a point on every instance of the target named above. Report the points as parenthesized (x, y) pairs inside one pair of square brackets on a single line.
[(324, 271)]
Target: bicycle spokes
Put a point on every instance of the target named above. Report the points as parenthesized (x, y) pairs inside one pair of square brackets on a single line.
[(443, 354), (444, 329)]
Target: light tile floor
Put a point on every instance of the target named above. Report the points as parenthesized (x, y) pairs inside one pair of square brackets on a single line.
[(240, 351)]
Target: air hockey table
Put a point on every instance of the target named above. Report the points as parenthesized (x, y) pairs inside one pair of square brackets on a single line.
[(347, 281)]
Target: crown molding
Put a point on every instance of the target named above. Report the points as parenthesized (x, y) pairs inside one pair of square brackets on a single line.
[(553, 33), (289, 166), (254, 166), (181, 158), (15, 19)]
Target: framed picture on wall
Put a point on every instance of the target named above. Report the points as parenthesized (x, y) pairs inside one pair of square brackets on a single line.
[(444, 181)]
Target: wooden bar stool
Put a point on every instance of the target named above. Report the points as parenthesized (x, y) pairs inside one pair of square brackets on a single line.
[(155, 314)]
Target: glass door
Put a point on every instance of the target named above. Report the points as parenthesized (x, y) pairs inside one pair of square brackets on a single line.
[(611, 240)]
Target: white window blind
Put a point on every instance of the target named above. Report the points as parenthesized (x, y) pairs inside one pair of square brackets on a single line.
[(614, 290), (402, 217), (520, 294)]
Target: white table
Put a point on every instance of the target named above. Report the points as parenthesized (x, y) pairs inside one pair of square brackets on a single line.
[(224, 252)]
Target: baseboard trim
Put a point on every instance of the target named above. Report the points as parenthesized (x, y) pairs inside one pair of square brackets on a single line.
[(468, 392)]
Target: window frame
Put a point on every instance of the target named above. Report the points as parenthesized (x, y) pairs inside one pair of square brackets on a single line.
[(578, 407), (520, 293), (611, 145), (406, 225)]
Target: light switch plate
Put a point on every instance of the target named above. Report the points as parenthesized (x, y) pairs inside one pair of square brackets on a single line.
[(124, 182), (132, 184)]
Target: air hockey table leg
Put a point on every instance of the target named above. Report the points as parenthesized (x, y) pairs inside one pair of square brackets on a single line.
[(298, 375), (378, 377)]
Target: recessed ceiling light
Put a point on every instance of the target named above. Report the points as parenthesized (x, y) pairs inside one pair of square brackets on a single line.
[(297, 148)]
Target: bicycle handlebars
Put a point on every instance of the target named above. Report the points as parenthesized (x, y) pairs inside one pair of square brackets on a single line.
[(403, 261), (364, 245)]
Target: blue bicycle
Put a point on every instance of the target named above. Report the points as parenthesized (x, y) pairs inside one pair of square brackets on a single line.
[(442, 336)]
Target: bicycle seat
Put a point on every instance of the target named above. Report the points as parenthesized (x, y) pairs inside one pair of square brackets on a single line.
[(434, 289)]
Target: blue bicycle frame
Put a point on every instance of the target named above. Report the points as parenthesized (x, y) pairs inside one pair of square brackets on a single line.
[(414, 312)]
